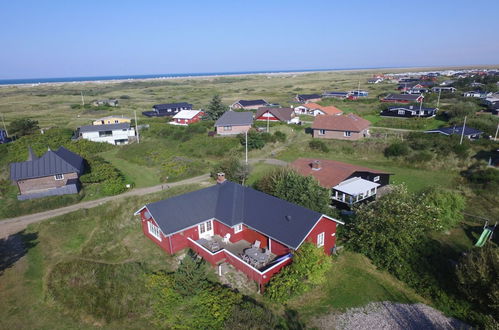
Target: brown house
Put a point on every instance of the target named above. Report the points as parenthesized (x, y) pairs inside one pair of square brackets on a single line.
[(349, 183), (345, 127), (54, 173)]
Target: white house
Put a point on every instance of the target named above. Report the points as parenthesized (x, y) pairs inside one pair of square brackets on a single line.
[(110, 133)]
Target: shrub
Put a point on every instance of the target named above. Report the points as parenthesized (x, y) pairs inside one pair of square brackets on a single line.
[(420, 157), (25, 126), (397, 149), (449, 204), (233, 168), (280, 136), (318, 145), (255, 140), (309, 268)]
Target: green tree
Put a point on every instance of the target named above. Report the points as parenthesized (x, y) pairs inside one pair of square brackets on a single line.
[(309, 268), (255, 140), (233, 168), (477, 274), (25, 126), (397, 149), (215, 109), (390, 230), (190, 277), (449, 205), (287, 184)]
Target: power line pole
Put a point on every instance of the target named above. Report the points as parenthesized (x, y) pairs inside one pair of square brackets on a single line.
[(82, 99), (495, 137), (136, 126), (439, 93), (462, 132), (246, 147), (268, 120)]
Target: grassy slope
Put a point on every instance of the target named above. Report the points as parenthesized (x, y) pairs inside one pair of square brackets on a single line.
[(66, 276)]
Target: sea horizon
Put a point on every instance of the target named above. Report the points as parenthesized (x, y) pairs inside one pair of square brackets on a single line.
[(23, 81)]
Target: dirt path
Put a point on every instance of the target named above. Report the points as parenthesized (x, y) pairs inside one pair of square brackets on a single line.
[(11, 226)]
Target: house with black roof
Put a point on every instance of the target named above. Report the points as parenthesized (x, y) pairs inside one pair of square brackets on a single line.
[(403, 98), (54, 173), (254, 232), (3, 136), (167, 109), (466, 131), (305, 98), (249, 104), (409, 111)]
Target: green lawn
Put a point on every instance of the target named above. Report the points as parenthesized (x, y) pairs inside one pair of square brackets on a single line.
[(352, 282), (140, 175)]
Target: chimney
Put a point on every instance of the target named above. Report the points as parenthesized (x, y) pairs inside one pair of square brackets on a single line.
[(220, 177), (316, 165)]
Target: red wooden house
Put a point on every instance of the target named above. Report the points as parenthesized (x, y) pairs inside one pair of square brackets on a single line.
[(229, 223), (186, 117), (286, 115)]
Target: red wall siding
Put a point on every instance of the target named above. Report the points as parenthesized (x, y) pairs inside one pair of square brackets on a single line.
[(263, 118), (213, 259), (164, 244), (179, 241), (251, 236), (221, 230), (329, 228), (278, 249), (267, 276)]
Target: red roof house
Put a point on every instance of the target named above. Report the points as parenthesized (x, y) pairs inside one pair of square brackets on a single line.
[(255, 232), (349, 183), (344, 127)]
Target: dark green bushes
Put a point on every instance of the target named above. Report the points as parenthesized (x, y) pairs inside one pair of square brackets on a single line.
[(318, 145), (397, 149)]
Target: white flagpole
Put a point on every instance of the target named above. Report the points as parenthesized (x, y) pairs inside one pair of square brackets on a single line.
[(136, 126), (246, 147)]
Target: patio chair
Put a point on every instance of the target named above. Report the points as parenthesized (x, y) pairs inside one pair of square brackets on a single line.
[(215, 246), (226, 238), (256, 245)]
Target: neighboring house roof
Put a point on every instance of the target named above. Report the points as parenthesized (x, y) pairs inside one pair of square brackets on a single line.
[(456, 130), (248, 103), (308, 96), (233, 118), (187, 114), (345, 94), (232, 204), (102, 128), (283, 114), (349, 122), (328, 110), (51, 163), (410, 108), (403, 97), (355, 185), (331, 172), (166, 106), (111, 117)]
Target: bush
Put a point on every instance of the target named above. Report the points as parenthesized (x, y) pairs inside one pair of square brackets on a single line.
[(255, 140), (397, 149), (233, 168), (25, 126), (420, 157), (449, 204), (318, 145), (280, 136), (310, 266)]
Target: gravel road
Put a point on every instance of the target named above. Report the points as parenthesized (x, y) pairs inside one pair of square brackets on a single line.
[(389, 315)]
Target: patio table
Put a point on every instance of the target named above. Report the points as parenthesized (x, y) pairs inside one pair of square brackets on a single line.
[(256, 255)]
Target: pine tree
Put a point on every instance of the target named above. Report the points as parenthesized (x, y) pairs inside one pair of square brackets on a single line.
[(215, 109)]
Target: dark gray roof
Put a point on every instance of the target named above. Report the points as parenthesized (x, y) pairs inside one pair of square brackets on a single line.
[(232, 204), (405, 97), (410, 108), (51, 163), (308, 96), (455, 130), (233, 118), (102, 128), (166, 106), (246, 103)]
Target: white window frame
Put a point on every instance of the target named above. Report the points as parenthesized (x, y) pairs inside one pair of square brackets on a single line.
[(154, 230), (347, 133), (322, 132), (238, 228), (59, 178), (376, 179), (320, 239), (227, 128)]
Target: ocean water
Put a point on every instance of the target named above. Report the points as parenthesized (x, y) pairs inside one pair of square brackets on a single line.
[(149, 76)]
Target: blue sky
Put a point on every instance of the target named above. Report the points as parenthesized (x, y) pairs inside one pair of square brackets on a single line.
[(88, 38)]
